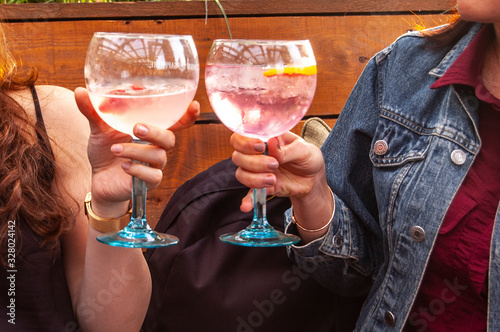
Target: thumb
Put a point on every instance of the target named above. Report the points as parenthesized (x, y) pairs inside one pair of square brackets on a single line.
[(247, 202), (291, 148), (278, 146), (87, 109)]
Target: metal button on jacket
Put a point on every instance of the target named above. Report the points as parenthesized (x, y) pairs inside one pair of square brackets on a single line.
[(390, 319), (417, 233), (338, 241), (458, 157), (380, 147)]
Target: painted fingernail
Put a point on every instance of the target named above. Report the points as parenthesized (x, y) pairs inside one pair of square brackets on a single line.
[(126, 165), (260, 147), (141, 130), (117, 148), (269, 180), (273, 164)]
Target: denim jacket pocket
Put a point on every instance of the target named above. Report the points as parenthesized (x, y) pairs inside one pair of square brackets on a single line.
[(398, 141)]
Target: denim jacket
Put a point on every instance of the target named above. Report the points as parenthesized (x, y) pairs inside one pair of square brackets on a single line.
[(395, 159)]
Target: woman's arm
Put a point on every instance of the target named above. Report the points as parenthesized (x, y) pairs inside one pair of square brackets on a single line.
[(341, 245), (110, 287)]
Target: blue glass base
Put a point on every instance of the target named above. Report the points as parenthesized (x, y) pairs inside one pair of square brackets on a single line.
[(251, 237), (131, 238)]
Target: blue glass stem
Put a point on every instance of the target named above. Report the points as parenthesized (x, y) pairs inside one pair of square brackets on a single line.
[(259, 222), (259, 208), (139, 196)]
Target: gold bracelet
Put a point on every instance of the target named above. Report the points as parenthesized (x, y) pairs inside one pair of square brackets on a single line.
[(322, 227), (105, 225)]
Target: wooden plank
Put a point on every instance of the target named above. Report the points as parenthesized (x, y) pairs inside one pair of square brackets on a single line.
[(342, 46), (178, 9)]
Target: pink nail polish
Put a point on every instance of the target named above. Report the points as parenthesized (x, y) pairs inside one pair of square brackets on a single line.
[(141, 130), (126, 165), (117, 148), (259, 147), (269, 180), (273, 165)]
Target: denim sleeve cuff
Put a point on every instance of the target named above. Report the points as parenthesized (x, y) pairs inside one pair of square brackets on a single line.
[(334, 252), (310, 249), (335, 243)]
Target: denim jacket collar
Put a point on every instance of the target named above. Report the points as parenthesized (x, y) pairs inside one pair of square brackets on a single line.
[(455, 52)]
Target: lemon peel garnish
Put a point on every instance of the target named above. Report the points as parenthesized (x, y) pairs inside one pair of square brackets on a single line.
[(310, 70)]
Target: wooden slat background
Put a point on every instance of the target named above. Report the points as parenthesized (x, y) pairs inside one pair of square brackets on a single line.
[(344, 35), (196, 8)]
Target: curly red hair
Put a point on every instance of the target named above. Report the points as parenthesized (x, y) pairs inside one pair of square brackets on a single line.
[(28, 194)]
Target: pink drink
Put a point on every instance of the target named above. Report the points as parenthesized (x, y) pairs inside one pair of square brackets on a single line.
[(126, 105), (255, 105)]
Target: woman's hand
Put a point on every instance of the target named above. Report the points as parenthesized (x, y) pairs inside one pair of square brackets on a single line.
[(292, 167), (110, 153)]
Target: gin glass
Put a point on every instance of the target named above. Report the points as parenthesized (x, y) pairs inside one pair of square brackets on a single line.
[(261, 89), (147, 78)]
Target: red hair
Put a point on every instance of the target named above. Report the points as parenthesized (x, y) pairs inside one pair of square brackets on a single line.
[(28, 194), (448, 34)]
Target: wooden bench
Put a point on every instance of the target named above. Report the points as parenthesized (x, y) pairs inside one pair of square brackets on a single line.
[(344, 35)]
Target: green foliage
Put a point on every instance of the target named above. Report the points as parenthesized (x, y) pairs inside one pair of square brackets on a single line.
[(225, 16), (91, 1)]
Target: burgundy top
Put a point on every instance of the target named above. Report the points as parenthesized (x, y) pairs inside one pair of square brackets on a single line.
[(34, 293), (454, 291)]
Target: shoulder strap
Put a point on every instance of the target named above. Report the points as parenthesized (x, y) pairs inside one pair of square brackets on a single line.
[(41, 132), (38, 110)]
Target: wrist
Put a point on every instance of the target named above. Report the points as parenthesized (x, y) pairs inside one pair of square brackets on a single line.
[(320, 227), (313, 213), (109, 208), (104, 224), (319, 196)]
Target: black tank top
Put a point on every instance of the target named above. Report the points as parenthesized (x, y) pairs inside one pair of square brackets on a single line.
[(34, 293)]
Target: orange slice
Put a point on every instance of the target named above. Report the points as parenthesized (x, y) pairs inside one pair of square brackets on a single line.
[(310, 70)]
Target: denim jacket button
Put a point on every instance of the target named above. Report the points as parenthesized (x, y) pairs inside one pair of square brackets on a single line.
[(390, 319), (417, 233), (458, 157), (338, 241), (380, 147)]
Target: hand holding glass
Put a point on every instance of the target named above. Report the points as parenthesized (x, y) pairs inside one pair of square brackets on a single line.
[(261, 89), (146, 78)]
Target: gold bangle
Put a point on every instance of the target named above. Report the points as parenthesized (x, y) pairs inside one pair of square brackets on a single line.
[(322, 227), (105, 225)]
